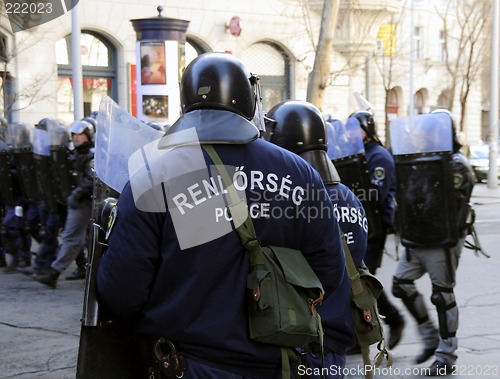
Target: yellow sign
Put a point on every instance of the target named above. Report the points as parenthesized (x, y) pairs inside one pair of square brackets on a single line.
[(387, 34)]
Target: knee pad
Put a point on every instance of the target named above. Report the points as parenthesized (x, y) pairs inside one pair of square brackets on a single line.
[(444, 301), (397, 288), (438, 300)]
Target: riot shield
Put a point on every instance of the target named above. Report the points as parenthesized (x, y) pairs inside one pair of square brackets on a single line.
[(44, 172), (118, 136), (345, 146), (60, 160), (422, 148), (6, 184), (107, 348), (19, 138)]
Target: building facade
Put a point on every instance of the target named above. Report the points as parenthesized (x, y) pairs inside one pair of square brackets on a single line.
[(376, 47)]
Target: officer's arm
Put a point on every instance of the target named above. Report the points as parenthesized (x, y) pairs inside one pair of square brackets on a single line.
[(127, 269), (382, 175), (84, 189), (322, 244)]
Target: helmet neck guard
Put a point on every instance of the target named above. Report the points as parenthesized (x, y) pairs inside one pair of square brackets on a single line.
[(212, 126), (320, 161)]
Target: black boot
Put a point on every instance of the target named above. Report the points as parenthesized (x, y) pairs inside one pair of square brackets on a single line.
[(78, 274), (49, 277), (32, 270), (425, 355), (395, 334)]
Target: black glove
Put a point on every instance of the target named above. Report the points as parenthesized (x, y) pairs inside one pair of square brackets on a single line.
[(73, 203)]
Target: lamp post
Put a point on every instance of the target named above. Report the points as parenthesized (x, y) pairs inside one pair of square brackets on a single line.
[(493, 117)]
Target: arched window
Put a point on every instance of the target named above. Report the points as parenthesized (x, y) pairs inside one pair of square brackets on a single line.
[(444, 100), (393, 103), (98, 59), (272, 65), (421, 101)]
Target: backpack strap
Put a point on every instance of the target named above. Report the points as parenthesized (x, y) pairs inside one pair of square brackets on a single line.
[(357, 288), (245, 230), (249, 240)]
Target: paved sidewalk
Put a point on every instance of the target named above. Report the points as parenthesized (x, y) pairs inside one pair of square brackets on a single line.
[(478, 298), (39, 327)]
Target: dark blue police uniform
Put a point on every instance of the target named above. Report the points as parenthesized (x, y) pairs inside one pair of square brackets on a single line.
[(383, 177), (335, 311), (197, 297)]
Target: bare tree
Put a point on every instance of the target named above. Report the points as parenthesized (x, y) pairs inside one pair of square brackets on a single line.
[(359, 23), (30, 92), (320, 75), (463, 27), (387, 58)]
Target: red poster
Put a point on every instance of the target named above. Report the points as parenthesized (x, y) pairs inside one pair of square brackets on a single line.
[(133, 89)]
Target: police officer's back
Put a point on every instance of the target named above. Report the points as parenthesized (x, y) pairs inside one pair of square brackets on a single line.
[(299, 127), (196, 296)]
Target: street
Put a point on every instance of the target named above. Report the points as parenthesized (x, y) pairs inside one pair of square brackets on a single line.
[(39, 327)]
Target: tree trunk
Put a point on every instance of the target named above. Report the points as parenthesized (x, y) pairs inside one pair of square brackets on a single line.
[(320, 74)]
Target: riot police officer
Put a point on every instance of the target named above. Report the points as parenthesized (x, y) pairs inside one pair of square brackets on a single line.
[(299, 126), (6, 193), (15, 240), (44, 214), (433, 226), (188, 283), (380, 164), (79, 206)]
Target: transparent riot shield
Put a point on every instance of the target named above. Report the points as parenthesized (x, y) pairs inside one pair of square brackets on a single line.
[(7, 183), (347, 151), (44, 171), (422, 148), (63, 179), (19, 138), (107, 348)]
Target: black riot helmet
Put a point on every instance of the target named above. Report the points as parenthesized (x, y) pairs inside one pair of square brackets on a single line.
[(219, 81), (299, 126), (83, 127), (367, 123)]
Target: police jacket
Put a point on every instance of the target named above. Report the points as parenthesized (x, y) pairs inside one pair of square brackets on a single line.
[(335, 311), (197, 297), (383, 177), (83, 171)]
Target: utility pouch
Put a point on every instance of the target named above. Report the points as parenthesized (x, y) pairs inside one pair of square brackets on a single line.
[(284, 294), (367, 322)]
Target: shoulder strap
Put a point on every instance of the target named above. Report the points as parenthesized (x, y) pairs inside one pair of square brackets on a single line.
[(357, 286), (246, 230)]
